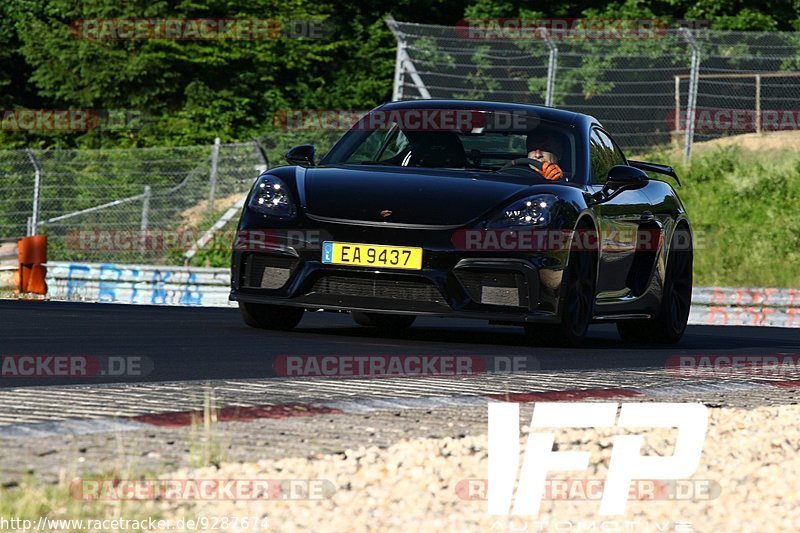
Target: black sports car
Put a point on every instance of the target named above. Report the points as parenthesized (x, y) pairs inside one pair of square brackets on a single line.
[(510, 213)]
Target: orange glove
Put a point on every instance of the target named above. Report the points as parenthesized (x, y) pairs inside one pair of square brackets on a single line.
[(550, 171)]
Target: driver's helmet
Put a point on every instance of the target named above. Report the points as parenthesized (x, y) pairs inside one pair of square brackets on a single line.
[(545, 142)]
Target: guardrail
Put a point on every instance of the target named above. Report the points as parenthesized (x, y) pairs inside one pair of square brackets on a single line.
[(9, 263), (8, 252), (192, 286)]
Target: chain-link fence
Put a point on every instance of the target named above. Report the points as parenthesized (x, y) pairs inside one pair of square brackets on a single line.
[(648, 88), (126, 206)]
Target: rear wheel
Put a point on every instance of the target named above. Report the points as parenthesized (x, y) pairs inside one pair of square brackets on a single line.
[(669, 324), (576, 306), (274, 317), (383, 321)]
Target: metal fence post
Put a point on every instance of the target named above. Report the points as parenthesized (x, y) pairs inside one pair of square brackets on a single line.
[(552, 64), (145, 208), (37, 188), (261, 154), (212, 189), (692, 100), (399, 72), (399, 68), (677, 103), (758, 103), (144, 221), (404, 64)]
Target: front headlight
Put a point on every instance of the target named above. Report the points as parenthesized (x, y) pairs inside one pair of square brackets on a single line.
[(528, 212), (272, 197)]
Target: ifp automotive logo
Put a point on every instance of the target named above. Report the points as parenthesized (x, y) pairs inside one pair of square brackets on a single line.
[(626, 463)]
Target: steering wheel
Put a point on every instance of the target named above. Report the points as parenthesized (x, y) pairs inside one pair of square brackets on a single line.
[(523, 162)]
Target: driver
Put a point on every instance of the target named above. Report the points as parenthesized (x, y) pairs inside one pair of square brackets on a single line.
[(542, 148)]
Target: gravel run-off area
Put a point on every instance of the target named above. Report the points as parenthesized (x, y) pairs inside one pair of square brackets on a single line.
[(413, 485)]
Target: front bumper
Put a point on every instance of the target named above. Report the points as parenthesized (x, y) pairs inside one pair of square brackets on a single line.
[(510, 288)]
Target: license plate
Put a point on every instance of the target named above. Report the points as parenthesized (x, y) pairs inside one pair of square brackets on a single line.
[(373, 255)]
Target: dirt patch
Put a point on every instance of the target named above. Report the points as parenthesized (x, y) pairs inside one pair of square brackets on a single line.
[(193, 216), (766, 141)]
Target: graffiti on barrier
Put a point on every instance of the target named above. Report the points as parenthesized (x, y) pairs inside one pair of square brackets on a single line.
[(138, 284)]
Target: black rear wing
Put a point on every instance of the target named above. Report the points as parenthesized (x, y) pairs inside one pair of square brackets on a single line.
[(658, 169)]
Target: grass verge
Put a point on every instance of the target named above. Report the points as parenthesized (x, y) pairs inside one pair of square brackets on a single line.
[(743, 207)]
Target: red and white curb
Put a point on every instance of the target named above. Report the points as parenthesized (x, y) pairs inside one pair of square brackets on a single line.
[(178, 419)]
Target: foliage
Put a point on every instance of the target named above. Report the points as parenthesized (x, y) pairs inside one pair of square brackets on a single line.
[(743, 212), (188, 92)]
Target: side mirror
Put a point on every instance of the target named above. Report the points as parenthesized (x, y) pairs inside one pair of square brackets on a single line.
[(302, 155), (620, 175)]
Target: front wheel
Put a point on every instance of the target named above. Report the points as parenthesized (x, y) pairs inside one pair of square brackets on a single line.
[(576, 306), (668, 325), (275, 317)]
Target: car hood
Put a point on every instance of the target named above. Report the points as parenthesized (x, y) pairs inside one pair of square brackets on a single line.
[(411, 195)]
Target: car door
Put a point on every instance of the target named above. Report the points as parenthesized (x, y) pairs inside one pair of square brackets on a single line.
[(619, 218)]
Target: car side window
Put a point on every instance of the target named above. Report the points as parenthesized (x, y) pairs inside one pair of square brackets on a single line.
[(368, 149), (603, 154), (396, 146)]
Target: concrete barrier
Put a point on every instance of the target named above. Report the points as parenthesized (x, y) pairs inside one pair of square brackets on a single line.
[(9, 264), (743, 296), (139, 284), (8, 252), (744, 306), (780, 317)]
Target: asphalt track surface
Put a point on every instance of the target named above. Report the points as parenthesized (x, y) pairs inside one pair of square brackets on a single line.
[(197, 355), (209, 344)]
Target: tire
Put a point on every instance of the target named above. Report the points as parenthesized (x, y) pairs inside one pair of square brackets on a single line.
[(274, 317), (668, 325), (576, 304), (382, 321)]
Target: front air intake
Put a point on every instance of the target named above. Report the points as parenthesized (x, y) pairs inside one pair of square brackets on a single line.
[(508, 289), (267, 271), (415, 291)]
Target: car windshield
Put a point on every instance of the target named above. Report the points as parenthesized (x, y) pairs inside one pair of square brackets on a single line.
[(452, 138)]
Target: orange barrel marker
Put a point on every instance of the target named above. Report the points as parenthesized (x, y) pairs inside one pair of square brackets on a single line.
[(32, 252)]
